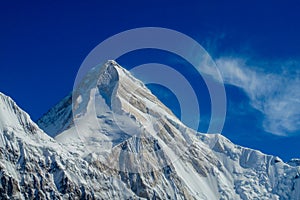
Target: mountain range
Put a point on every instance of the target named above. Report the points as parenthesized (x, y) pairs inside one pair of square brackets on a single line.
[(113, 139)]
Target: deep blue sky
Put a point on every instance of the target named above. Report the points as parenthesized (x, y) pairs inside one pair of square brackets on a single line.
[(43, 43)]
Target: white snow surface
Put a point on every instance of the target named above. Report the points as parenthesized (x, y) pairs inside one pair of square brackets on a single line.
[(115, 118)]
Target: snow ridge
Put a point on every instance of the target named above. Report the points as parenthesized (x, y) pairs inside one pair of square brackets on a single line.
[(12, 117)]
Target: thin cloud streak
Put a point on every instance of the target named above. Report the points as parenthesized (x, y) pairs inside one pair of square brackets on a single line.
[(276, 95)]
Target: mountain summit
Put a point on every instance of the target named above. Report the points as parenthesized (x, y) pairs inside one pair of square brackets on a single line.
[(118, 141), (118, 119)]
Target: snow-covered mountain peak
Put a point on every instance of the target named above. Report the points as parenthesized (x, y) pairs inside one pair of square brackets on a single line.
[(122, 94), (115, 113), (14, 118), (130, 148), (123, 131), (115, 84)]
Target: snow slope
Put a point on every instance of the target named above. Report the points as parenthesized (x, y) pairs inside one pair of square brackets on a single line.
[(122, 143), (35, 166)]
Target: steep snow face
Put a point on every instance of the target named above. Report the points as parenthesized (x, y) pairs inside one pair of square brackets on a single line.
[(123, 123), (129, 135), (12, 117), (35, 166)]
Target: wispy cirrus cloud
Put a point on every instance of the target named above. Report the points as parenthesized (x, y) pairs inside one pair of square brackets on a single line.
[(275, 94)]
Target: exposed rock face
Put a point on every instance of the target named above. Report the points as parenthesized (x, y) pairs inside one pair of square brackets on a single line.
[(153, 156)]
